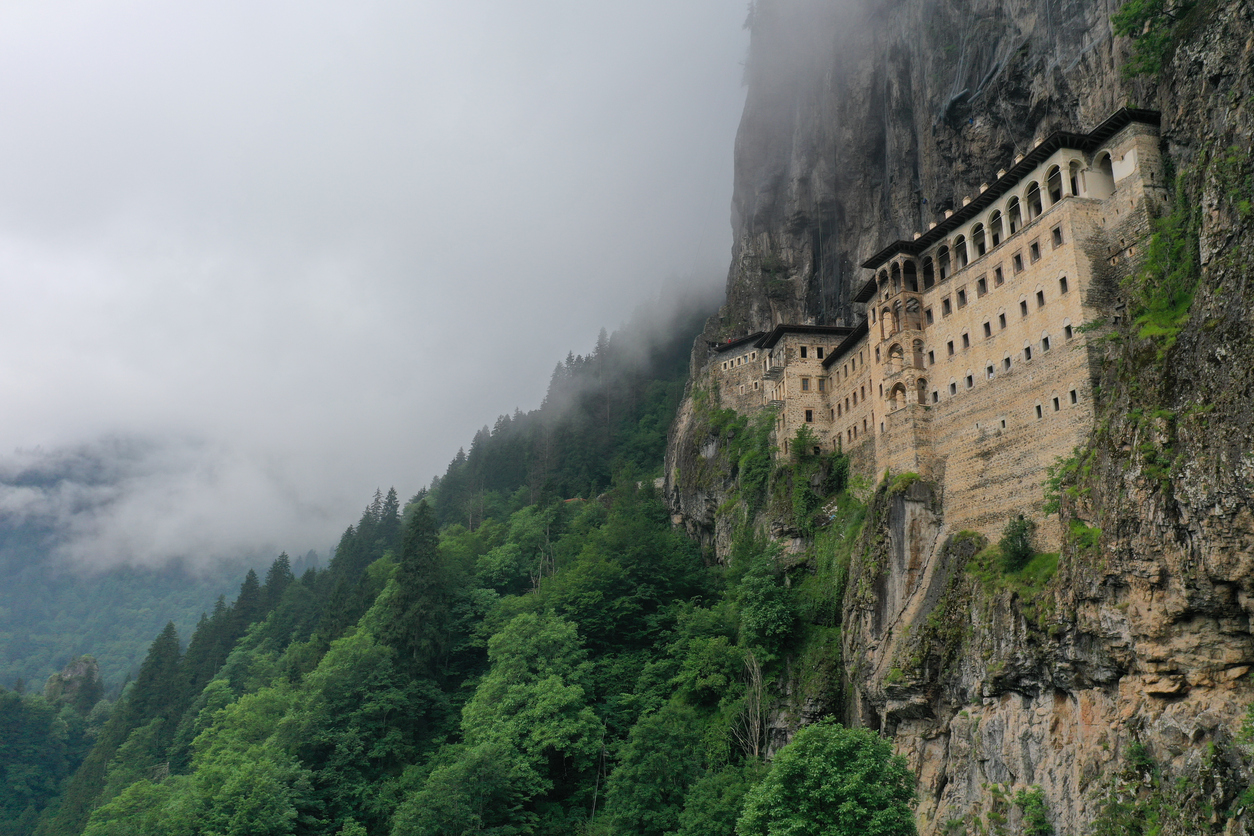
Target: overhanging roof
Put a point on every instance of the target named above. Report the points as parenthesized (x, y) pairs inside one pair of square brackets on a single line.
[(730, 344), (1061, 139), (779, 331), (846, 344)]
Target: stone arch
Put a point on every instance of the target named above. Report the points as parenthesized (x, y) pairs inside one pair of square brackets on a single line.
[(910, 275), (942, 262), (1014, 214), (1101, 178), (1075, 174), (960, 252), (898, 322), (897, 397), (887, 326), (994, 228), (894, 277), (896, 357), (1053, 184), (881, 282), (978, 240), (1032, 197), (929, 273)]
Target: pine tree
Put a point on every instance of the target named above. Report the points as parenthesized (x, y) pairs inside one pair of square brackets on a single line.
[(278, 578), (420, 606), (390, 520), (156, 689)]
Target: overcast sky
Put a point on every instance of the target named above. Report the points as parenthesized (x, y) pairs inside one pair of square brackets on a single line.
[(258, 258)]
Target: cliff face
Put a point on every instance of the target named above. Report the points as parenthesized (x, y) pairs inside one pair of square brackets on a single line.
[(1126, 673)]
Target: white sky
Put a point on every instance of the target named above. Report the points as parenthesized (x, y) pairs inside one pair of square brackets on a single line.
[(262, 257)]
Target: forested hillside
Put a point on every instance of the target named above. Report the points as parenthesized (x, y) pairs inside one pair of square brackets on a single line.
[(525, 650)]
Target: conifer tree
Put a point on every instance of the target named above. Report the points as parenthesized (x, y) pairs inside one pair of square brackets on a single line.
[(278, 578)]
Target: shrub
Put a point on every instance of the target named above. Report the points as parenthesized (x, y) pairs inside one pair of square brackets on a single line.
[(1016, 544)]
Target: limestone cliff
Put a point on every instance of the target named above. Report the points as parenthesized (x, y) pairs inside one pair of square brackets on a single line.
[(1125, 675)]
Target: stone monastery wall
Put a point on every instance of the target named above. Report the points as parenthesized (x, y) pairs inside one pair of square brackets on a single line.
[(969, 366)]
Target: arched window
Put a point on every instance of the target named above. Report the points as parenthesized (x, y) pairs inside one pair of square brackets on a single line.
[(897, 397), (895, 277), (1033, 198), (1053, 184), (929, 273), (994, 229), (914, 315), (896, 358), (911, 274), (918, 354), (1014, 215), (882, 282), (942, 262), (887, 326), (898, 323), (921, 388), (1101, 180), (977, 240), (1073, 172), (960, 252)]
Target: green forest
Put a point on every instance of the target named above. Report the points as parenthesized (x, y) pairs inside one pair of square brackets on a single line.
[(528, 646)]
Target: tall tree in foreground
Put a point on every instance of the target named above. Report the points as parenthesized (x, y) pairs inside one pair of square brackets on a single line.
[(832, 781)]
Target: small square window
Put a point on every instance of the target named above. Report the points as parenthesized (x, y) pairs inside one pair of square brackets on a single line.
[(931, 358), (966, 341), (970, 381), (953, 388), (1017, 261), (1034, 252), (981, 286), (1005, 364), (998, 278), (1056, 232), (805, 384), (928, 315), (803, 352), (1001, 321), (1023, 307), (1062, 285), (1057, 406), (962, 298), (945, 307), (818, 352), (988, 330), (809, 416), (1039, 414), (1040, 298), (950, 345), (1074, 397)]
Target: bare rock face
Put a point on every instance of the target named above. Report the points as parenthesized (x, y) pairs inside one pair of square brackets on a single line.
[(78, 685), (864, 122)]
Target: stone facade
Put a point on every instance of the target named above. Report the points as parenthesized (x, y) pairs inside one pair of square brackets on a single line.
[(969, 366)]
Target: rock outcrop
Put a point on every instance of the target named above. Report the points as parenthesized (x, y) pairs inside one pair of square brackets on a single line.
[(1130, 668)]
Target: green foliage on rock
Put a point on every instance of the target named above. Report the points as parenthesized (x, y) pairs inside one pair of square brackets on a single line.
[(1016, 544)]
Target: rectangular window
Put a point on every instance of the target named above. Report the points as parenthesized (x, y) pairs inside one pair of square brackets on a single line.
[(935, 396), (839, 411), (1034, 252), (1057, 233), (988, 372), (1062, 285), (928, 315), (1001, 321), (822, 384), (970, 381), (803, 352), (1018, 262), (931, 358), (1074, 397), (1067, 332), (945, 307), (1057, 406), (950, 346), (805, 384), (855, 398), (818, 352), (809, 416), (1039, 414), (1023, 307), (1005, 364), (999, 278), (962, 298), (1044, 343), (1027, 352), (988, 330), (1040, 298), (981, 286), (953, 388), (966, 341)]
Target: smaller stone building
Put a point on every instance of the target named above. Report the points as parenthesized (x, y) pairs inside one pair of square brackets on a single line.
[(970, 366)]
